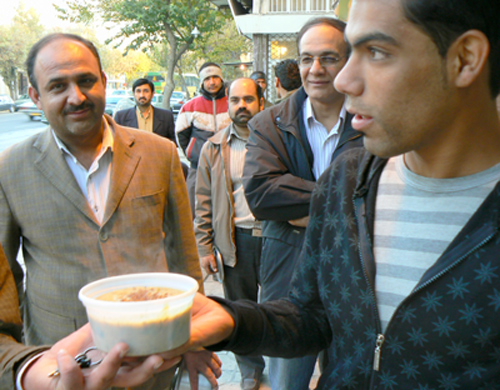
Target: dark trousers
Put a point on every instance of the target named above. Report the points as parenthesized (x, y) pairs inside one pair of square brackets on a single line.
[(191, 184), (242, 282), (278, 262)]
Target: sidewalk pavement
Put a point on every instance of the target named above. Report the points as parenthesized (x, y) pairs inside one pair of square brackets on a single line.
[(230, 379)]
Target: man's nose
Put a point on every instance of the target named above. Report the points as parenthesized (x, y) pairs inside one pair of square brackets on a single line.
[(316, 66), (349, 80), (76, 97)]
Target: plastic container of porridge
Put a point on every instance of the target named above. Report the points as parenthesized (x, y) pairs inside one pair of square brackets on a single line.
[(151, 312)]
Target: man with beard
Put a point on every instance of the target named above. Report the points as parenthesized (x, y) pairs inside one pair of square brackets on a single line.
[(224, 224), (144, 116), (200, 118)]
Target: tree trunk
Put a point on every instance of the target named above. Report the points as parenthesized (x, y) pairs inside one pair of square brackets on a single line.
[(173, 57)]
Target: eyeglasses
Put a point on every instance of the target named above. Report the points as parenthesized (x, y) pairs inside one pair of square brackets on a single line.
[(328, 61)]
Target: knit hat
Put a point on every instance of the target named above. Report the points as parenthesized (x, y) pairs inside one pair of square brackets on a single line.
[(210, 71)]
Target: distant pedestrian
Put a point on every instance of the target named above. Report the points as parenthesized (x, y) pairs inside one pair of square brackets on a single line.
[(144, 115), (200, 118), (287, 79), (260, 78)]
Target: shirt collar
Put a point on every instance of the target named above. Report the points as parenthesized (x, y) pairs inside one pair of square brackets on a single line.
[(309, 115), (234, 133), (147, 115), (107, 140)]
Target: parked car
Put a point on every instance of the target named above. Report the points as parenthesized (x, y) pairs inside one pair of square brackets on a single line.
[(6, 103), (111, 102), (157, 100), (22, 99), (119, 92), (123, 104), (30, 109), (177, 99)]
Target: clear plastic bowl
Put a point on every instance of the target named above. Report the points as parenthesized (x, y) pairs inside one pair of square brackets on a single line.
[(148, 327)]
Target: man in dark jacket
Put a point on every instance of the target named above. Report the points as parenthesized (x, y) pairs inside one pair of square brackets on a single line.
[(290, 145), (144, 116), (200, 118), (400, 268)]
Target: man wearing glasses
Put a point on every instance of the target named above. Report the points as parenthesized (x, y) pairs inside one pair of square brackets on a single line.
[(290, 146)]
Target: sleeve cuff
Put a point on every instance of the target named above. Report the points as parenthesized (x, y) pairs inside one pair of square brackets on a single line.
[(23, 369)]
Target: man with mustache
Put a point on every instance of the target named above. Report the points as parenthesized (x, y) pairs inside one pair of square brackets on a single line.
[(144, 116), (224, 225), (84, 199), (290, 146)]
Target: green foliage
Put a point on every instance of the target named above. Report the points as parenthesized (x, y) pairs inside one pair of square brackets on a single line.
[(147, 24), (136, 63), (226, 45), (15, 42)]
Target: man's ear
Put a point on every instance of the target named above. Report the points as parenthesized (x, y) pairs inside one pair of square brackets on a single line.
[(261, 104), (277, 82), (35, 97), (104, 78), (467, 57)]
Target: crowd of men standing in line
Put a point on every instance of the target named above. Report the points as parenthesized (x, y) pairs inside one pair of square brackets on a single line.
[(106, 163), (360, 253)]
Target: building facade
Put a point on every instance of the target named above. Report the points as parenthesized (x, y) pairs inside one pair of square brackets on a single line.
[(273, 25)]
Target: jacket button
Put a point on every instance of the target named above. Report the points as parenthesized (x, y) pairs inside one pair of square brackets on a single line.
[(278, 119), (103, 235)]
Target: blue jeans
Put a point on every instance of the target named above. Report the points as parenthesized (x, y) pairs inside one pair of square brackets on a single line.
[(291, 374), (242, 282)]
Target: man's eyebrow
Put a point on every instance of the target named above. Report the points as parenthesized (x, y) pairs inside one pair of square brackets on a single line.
[(64, 78), (56, 80), (378, 37), (323, 53)]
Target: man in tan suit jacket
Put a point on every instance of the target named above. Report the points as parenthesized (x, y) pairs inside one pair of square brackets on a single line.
[(86, 198)]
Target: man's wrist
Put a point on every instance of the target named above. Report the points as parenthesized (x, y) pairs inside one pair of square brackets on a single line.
[(24, 368)]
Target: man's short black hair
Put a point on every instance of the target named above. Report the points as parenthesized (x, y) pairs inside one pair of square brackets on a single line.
[(287, 71), (139, 82), (324, 20), (258, 74), (35, 49), (258, 89), (445, 20), (207, 64)]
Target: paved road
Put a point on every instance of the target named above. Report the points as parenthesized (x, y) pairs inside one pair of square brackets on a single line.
[(16, 127)]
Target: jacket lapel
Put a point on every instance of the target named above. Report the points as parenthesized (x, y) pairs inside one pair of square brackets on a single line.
[(125, 163), (157, 121), (49, 160), (132, 118)]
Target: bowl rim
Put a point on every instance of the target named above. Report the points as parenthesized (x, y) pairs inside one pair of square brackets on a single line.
[(85, 299)]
